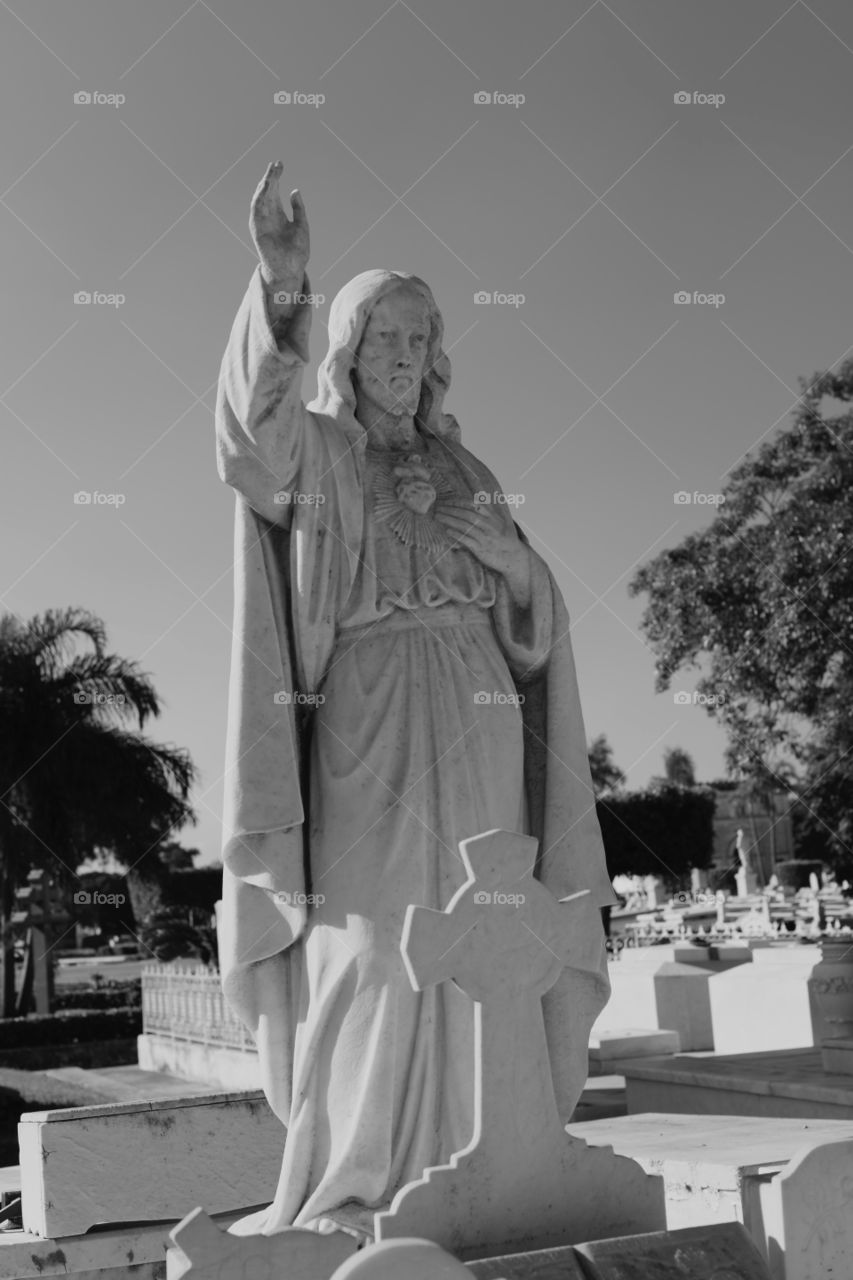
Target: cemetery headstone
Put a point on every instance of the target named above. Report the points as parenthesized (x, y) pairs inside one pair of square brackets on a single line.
[(522, 1182)]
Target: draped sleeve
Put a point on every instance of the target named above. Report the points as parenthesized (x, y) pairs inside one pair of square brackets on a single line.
[(261, 421)]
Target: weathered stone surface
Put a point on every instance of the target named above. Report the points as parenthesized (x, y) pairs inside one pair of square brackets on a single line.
[(202, 1252), (808, 1215), (790, 1083), (608, 1048), (522, 1182), (137, 1162), (683, 1003), (716, 1168), (723, 1252), (117, 1253), (764, 1005), (542, 1264)]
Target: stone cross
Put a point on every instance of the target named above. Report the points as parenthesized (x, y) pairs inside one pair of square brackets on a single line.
[(202, 1251), (522, 1182)]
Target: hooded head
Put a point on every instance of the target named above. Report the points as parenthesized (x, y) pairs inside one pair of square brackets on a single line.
[(348, 317)]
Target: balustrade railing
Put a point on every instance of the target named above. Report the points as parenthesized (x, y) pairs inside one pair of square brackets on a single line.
[(186, 1003)]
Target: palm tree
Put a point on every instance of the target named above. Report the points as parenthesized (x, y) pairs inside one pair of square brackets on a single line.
[(73, 778)]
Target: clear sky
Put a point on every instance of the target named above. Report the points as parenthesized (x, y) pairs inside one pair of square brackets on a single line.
[(597, 198)]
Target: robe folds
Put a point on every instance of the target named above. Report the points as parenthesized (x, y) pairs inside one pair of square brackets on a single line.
[(388, 698)]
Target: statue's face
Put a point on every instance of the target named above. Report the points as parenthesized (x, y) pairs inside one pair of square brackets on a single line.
[(392, 352)]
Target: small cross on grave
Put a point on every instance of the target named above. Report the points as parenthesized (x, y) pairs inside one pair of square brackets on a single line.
[(522, 1182), (205, 1252)]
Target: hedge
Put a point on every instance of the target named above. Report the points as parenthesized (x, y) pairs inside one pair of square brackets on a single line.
[(795, 873), (112, 995), (69, 1027)]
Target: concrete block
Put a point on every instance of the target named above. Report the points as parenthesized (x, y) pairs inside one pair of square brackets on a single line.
[(700, 1253), (138, 1162), (683, 1003)]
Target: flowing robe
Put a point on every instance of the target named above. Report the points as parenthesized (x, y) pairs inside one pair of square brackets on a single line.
[(388, 699)]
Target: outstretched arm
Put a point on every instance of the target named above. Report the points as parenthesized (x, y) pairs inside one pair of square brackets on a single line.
[(260, 419)]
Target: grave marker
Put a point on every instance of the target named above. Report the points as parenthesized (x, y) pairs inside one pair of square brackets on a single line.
[(522, 1182)]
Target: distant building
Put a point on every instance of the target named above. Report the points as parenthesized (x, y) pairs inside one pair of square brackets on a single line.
[(767, 831)]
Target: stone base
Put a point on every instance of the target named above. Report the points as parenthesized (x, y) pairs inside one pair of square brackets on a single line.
[(209, 1064), (117, 1253), (608, 1048), (785, 1082), (837, 1057)]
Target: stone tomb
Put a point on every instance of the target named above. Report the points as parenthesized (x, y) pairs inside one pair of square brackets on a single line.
[(144, 1161), (790, 1083)]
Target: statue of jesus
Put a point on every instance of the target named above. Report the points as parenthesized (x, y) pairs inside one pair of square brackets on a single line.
[(402, 679)]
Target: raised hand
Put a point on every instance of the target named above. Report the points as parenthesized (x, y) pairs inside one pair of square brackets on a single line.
[(283, 243)]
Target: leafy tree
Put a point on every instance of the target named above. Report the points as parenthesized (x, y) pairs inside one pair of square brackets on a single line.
[(73, 777), (607, 777), (761, 604), (679, 769), (176, 857)]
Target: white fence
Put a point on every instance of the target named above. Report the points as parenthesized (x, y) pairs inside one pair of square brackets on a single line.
[(187, 1004)]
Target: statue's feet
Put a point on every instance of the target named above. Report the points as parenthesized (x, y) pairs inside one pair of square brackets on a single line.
[(325, 1225)]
